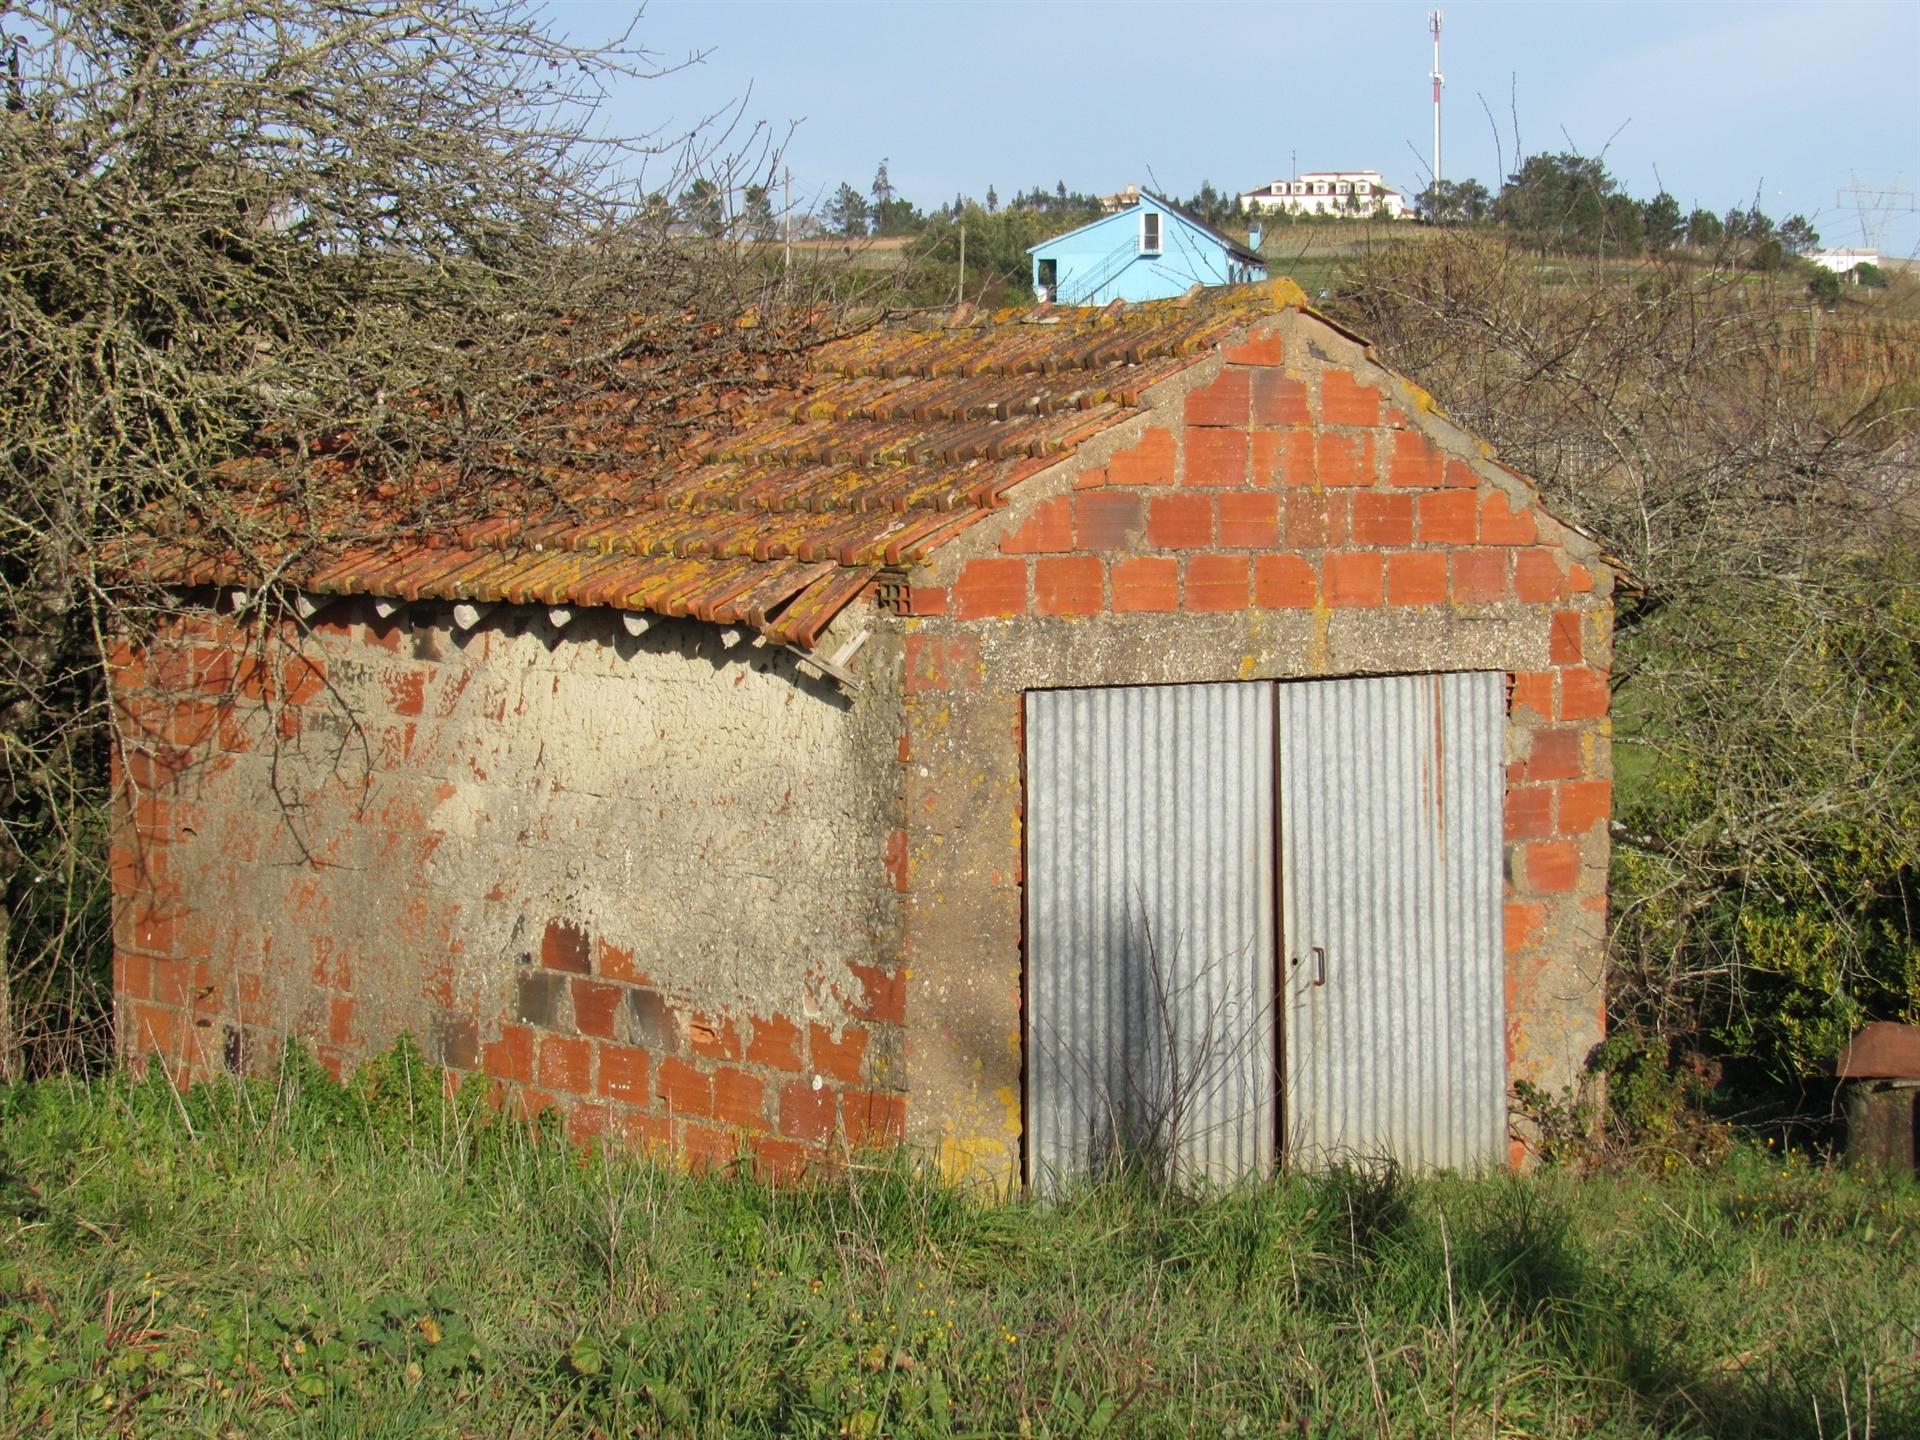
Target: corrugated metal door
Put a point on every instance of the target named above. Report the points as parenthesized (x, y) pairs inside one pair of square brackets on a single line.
[(1391, 905), (1150, 918)]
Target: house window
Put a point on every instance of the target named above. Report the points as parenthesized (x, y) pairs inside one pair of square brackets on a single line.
[(1342, 188), (1150, 233)]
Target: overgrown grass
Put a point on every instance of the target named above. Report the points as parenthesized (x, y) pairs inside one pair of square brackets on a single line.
[(308, 1259)]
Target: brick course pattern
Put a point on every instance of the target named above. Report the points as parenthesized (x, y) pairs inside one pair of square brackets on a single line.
[(1348, 524)]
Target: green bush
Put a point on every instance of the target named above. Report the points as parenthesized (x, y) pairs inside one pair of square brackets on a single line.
[(1788, 905)]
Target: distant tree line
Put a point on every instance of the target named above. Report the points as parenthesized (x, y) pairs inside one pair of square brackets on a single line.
[(1571, 202), (882, 211), (1560, 202)]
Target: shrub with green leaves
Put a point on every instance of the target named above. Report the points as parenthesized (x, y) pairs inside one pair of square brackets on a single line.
[(1784, 784)]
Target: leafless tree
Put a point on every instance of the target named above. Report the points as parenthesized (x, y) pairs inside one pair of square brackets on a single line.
[(378, 245)]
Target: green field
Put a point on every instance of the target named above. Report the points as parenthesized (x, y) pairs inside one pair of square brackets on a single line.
[(319, 1261)]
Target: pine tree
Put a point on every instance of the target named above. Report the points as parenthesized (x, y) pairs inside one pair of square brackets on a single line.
[(846, 213)]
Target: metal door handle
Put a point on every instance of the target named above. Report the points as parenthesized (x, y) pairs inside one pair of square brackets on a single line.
[(1319, 964)]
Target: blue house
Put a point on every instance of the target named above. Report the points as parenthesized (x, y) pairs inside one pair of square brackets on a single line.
[(1148, 251)]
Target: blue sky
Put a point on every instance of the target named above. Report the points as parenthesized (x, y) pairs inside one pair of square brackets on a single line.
[(1721, 102)]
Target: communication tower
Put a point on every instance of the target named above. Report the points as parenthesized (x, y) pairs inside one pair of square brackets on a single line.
[(1434, 17)]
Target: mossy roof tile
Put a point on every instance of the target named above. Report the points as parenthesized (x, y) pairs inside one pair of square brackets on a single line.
[(888, 444)]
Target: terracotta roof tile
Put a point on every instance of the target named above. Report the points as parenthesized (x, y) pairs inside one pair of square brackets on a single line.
[(890, 443)]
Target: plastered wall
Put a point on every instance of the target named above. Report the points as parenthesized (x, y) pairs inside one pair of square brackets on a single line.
[(646, 880)]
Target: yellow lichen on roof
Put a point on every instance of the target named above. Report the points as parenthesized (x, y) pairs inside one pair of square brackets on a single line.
[(889, 442)]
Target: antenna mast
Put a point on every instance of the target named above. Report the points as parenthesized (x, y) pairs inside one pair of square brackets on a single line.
[(1434, 17)]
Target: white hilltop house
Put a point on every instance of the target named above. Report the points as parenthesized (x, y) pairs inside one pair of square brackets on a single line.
[(1844, 262), (1330, 192)]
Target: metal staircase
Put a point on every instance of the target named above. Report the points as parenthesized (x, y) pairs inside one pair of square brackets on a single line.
[(1085, 289)]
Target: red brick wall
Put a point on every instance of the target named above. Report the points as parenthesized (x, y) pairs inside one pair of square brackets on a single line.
[(290, 861), (591, 1037), (1296, 491)]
